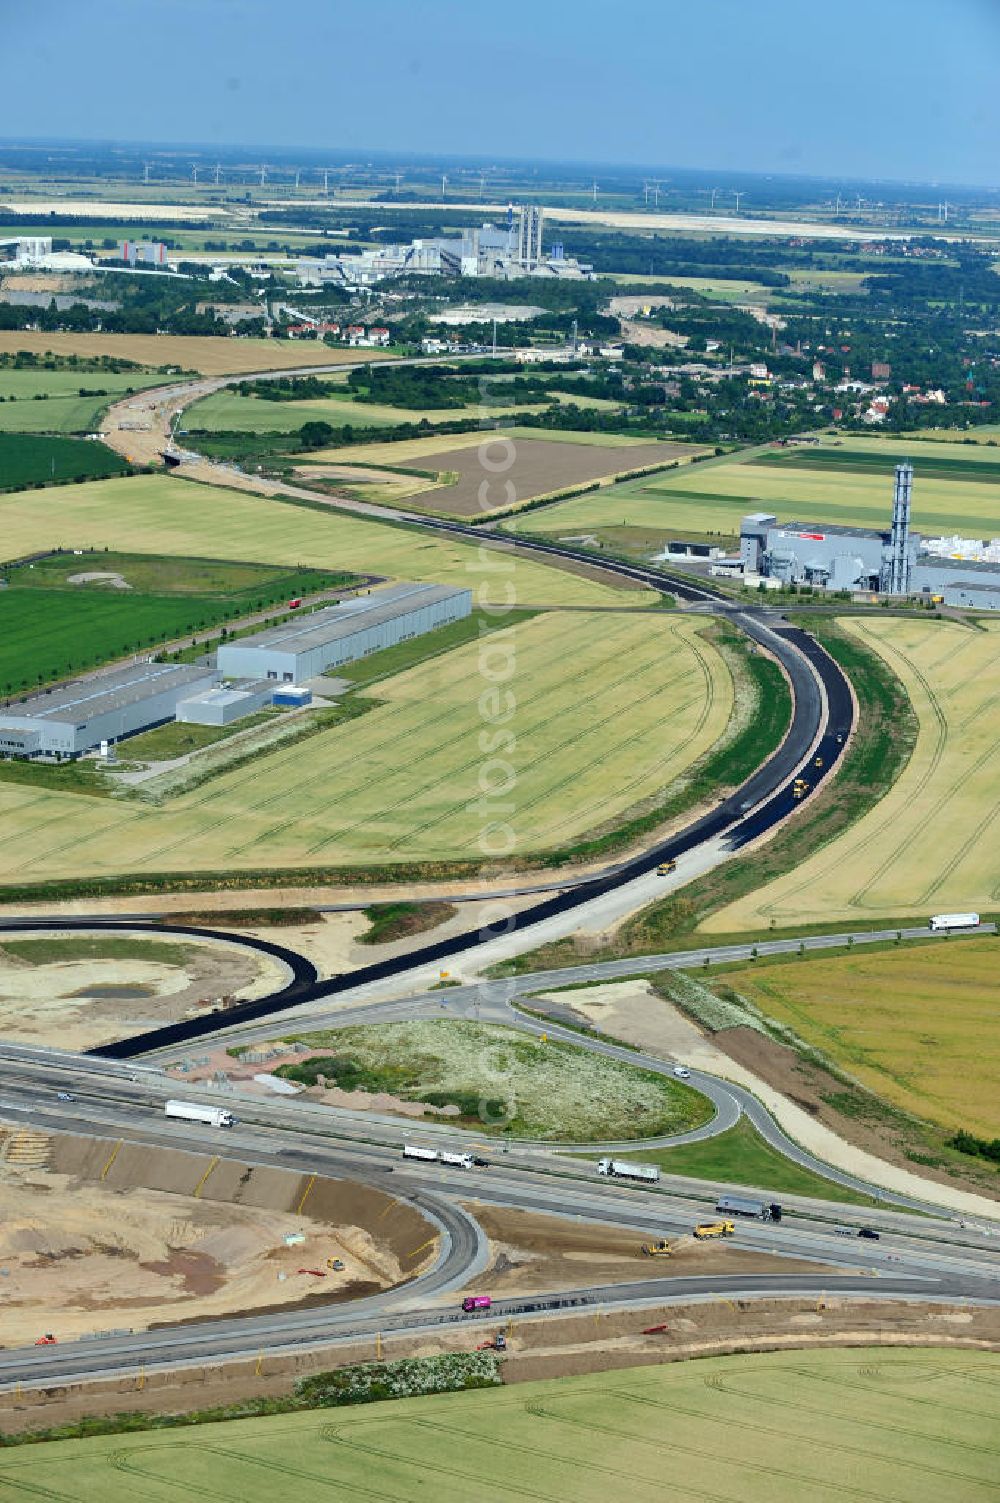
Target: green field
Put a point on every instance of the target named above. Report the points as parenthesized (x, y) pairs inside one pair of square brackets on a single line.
[(504, 1081), (849, 484), (39, 459), (889, 1426), (929, 846), (52, 634), (592, 692), (916, 1026), (50, 628), (226, 412), (63, 401)]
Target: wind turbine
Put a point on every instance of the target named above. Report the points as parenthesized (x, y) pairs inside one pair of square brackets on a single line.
[(218, 173), (737, 194), (595, 190), (444, 183), (715, 194), (145, 172), (194, 172), (482, 186), (645, 194), (263, 174), (656, 193), (297, 176), (326, 182)]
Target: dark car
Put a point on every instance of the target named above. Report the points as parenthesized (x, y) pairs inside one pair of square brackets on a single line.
[(480, 1163), (869, 1232)]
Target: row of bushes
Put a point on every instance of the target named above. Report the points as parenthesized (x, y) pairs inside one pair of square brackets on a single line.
[(983, 1148)]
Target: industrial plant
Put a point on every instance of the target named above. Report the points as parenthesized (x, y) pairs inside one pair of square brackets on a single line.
[(264, 668), (896, 561), (502, 253)]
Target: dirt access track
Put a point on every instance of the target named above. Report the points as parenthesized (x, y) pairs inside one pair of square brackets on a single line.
[(98, 1235), (552, 1347)]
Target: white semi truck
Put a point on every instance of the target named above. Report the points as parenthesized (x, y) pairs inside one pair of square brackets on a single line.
[(433, 1156), (190, 1111), (946, 921), (648, 1174)]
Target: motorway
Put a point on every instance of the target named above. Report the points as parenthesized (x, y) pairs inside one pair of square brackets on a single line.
[(926, 1256)]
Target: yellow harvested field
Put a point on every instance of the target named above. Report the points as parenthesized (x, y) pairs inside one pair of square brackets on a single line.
[(203, 353), (162, 515), (917, 1026), (409, 451), (413, 451), (931, 845), (610, 709)]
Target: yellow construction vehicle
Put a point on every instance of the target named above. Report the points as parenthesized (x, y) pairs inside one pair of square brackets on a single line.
[(714, 1229), (660, 1249), (800, 788), (665, 868)]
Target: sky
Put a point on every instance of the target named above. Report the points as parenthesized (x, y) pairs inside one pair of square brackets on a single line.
[(893, 89)]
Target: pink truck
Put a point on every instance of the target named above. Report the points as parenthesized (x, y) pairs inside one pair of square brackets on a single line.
[(476, 1302)]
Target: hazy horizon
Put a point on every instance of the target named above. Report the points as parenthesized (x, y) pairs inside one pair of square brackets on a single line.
[(901, 93)]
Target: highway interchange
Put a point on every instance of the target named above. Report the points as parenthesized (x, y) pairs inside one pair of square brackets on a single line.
[(925, 1256)]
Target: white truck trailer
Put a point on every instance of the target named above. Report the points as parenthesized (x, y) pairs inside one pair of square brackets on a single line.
[(190, 1111), (412, 1151), (434, 1156), (647, 1174), (945, 921)]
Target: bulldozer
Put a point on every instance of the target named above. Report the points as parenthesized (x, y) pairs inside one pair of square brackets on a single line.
[(661, 1248)]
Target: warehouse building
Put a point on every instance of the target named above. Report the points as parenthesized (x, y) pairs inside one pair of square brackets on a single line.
[(310, 645), (223, 705), (76, 718)]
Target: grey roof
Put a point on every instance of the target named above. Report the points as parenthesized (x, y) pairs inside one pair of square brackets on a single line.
[(971, 586), (833, 529), (85, 698), (957, 565), (335, 621), (229, 693)]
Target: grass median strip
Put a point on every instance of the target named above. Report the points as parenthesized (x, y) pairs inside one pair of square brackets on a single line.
[(740, 1156)]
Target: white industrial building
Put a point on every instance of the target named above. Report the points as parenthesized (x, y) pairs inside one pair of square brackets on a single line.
[(890, 561), (77, 717), (225, 704), (499, 251), (308, 646)]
